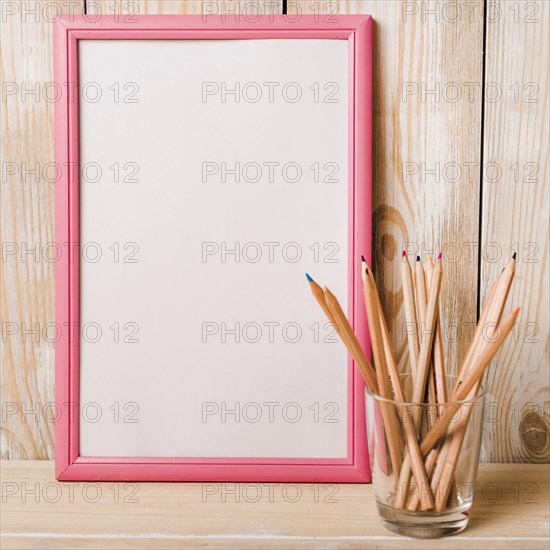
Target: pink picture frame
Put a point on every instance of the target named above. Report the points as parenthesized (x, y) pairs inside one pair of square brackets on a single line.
[(69, 464)]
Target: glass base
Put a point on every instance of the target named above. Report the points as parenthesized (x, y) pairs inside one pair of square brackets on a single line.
[(423, 525)]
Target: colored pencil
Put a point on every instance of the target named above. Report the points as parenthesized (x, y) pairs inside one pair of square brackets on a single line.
[(391, 363), (480, 354), (410, 312), (419, 386), (345, 332), (437, 382), (420, 296), (432, 461), (417, 465), (462, 391), (438, 356), (391, 422), (319, 295)]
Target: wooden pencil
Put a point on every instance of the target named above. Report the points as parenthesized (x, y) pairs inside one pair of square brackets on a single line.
[(391, 363), (391, 423), (429, 464), (493, 317), (453, 443), (482, 322), (474, 374), (442, 477), (437, 384), (462, 391), (436, 458), (425, 350), (410, 312), (442, 444), (344, 331), (440, 378), (349, 339), (417, 465), (420, 296), (431, 438), (319, 295), (419, 385)]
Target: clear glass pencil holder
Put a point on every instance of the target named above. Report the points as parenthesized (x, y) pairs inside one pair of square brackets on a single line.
[(429, 497)]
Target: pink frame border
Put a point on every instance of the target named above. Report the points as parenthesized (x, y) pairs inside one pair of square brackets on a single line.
[(69, 465)]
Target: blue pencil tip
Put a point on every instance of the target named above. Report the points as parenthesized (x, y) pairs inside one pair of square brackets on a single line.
[(309, 278)]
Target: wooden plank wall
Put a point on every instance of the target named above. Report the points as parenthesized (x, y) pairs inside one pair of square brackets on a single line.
[(27, 225), (515, 217), (438, 140)]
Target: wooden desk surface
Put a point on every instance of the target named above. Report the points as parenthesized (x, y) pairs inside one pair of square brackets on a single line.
[(511, 510)]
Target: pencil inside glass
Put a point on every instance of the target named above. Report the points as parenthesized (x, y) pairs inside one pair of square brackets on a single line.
[(452, 500), (419, 385), (425, 523), (380, 339), (442, 454)]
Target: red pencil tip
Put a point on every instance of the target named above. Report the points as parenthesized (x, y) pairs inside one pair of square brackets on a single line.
[(439, 256), (516, 311), (403, 254)]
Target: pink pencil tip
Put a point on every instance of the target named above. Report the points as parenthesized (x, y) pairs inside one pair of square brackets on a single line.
[(516, 311), (439, 256), (403, 254)]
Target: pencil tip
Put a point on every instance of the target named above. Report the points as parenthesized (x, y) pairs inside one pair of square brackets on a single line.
[(309, 278), (516, 311), (418, 258), (514, 256), (403, 254), (439, 256), (363, 258)]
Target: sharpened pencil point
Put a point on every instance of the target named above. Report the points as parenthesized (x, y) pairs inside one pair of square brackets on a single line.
[(309, 278), (516, 311), (403, 254), (439, 256), (363, 258), (514, 256), (418, 258)]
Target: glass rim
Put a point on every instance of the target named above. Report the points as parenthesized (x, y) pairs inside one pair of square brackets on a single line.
[(481, 394)]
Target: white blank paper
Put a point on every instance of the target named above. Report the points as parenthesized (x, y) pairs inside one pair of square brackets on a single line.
[(211, 344)]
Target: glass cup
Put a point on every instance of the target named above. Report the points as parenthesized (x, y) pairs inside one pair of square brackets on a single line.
[(432, 497)]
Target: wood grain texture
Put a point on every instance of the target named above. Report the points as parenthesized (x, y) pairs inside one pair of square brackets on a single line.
[(515, 218), (510, 511), (419, 140), (190, 7), (27, 225), (415, 132), (141, 7)]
